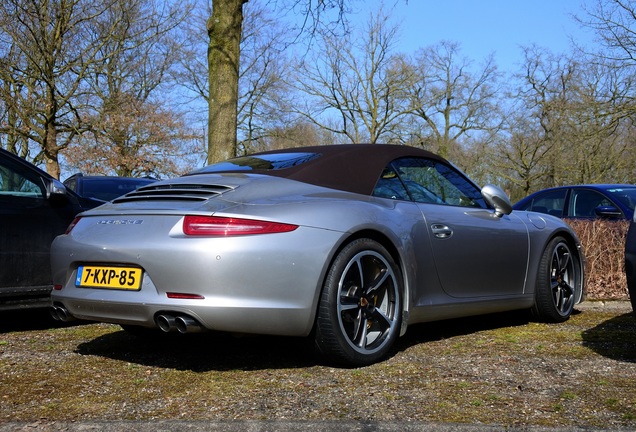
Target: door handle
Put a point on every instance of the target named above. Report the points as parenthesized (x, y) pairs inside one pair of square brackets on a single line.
[(441, 231)]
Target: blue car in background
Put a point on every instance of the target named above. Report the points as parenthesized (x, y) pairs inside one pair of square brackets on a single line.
[(105, 188), (606, 201)]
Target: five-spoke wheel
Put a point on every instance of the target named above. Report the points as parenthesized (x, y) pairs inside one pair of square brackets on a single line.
[(558, 282), (360, 309)]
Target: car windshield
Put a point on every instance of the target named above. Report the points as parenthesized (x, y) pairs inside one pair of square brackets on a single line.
[(626, 195), (264, 162)]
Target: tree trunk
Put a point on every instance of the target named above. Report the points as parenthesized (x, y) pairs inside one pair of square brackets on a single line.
[(51, 151), (50, 148), (224, 30)]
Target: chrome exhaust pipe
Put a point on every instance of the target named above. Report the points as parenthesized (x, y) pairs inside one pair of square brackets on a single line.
[(64, 314), (166, 323), (53, 312), (186, 324), (60, 313)]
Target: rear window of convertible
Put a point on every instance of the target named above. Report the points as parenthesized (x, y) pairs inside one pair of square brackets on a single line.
[(264, 162)]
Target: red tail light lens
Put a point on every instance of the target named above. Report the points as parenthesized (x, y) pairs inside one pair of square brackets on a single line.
[(224, 226), (72, 225)]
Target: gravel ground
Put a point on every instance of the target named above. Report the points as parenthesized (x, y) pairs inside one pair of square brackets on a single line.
[(499, 372)]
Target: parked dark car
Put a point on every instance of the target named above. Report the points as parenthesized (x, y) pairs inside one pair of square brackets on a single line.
[(608, 201), (105, 188), (630, 263), (34, 209)]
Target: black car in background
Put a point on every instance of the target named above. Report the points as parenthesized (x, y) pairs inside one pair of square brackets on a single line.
[(34, 209), (105, 188), (630, 262)]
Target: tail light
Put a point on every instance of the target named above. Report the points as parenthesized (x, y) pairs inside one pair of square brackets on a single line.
[(226, 226), (72, 225)]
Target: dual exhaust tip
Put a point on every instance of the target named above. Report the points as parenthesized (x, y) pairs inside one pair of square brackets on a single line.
[(166, 322), (60, 313), (181, 323)]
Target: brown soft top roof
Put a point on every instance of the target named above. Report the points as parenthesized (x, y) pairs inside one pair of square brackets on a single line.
[(348, 167)]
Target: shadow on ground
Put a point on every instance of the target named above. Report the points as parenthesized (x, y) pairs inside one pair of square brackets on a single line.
[(17, 320), (211, 351), (202, 352), (438, 330), (614, 338)]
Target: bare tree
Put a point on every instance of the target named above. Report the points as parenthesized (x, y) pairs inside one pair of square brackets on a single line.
[(224, 30), (13, 137), (297, 134), (450, 98), (140, 139), (538, 125), (599, 125), (46, 49), (520, 157), (356, 89), (262, 68), (192, 74), (566, 128), (128, 109), (263, 104), (614, 22)]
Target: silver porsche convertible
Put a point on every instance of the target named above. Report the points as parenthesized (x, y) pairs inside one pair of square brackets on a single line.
[(344, 244)]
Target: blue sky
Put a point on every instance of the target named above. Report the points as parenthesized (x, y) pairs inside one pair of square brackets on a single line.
[(487, 26)]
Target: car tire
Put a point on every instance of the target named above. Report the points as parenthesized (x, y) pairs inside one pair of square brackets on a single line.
[(360, 310), (557, 282)]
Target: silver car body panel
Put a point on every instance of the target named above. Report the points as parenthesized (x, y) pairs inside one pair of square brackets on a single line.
[(456, 261)]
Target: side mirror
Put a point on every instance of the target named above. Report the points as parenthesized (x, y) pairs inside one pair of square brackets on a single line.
[(55, 189), (497, 199), (608, 212)]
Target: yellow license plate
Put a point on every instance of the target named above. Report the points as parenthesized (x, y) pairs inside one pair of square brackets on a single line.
[(126, 278)]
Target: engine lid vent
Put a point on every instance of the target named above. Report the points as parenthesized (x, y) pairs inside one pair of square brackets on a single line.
[(174, 192)]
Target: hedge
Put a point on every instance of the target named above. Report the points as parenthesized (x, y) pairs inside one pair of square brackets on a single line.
[(604, 247)]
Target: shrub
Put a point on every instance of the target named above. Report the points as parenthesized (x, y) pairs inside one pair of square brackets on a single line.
[(604, 247)]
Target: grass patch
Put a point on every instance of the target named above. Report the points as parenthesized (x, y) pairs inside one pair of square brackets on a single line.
[(498, 369)]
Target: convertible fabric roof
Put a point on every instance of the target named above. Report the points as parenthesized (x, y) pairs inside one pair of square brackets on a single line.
[(348, 167)]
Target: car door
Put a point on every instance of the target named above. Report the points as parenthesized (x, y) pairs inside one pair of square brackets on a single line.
[(476, 253), (551, 202), (590, 204), (29, 221)]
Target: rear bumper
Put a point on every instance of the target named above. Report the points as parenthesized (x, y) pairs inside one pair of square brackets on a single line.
[(239, 317)]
